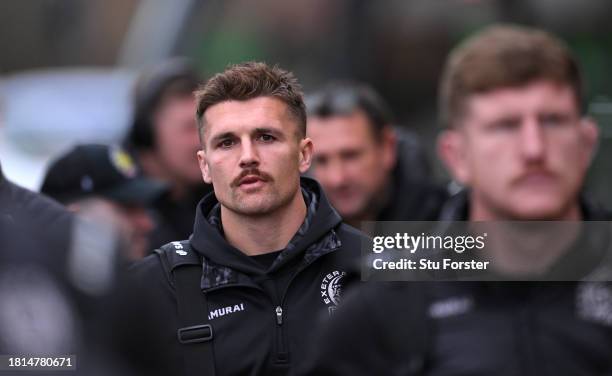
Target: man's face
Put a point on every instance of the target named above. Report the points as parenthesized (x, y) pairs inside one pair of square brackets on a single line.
[(253, 155), (524, 151), (350, 163), (176, 137)]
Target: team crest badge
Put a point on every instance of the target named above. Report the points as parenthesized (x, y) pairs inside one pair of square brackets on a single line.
[(331, 289)]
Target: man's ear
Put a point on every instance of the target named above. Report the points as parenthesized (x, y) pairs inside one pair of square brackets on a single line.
[(389, 147), (452, 150), (306, 149), (590, 137), (204, 166)]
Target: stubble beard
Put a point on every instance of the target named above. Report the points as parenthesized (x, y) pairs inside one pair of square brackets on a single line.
[(264, 204)]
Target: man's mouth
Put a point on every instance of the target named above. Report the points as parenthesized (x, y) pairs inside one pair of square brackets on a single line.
[(344, 193), (250, 180), (537, 178)]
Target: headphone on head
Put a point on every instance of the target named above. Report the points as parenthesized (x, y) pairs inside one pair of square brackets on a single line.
[(150, 89)]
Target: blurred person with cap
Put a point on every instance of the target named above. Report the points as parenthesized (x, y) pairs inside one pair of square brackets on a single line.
[(370, 170), (164, 139), (517, 139), (102, 182)]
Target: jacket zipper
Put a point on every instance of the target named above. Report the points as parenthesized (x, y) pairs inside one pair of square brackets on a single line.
[(282, 354), (279, 315)]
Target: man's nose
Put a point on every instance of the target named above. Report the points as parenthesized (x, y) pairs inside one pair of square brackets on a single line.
[(532, 140), (336, 174), (248, 154)]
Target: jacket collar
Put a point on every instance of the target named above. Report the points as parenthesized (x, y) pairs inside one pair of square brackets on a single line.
[(314, 238), (584, 254), (457, 208)]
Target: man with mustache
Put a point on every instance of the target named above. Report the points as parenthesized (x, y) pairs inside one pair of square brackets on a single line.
[(517, 139), (268, 254)]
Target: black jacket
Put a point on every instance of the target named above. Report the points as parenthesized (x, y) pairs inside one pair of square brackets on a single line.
[(44, 223), (56, 282), (251, 336), (411, 197), (174, 218), (471, 328)]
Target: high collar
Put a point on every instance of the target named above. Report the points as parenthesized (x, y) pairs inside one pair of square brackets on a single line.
[(208, 240), (583, 255), (457, 208)]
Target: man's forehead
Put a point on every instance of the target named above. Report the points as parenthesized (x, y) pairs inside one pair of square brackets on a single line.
[(183, 99), (354, 125), (259, 105), (246, 116), (332, 139), (531, 98)]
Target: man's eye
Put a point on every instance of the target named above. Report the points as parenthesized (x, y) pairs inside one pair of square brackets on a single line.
[(226, 144), (351, 155), (266, 138), (320, 160), (554, 120), (505, 125)]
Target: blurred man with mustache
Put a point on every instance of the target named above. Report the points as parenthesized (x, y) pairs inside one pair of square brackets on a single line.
[(517, 139), (268, 255)]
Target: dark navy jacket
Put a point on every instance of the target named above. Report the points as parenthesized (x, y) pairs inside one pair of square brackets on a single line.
[(472, 328), (262, 318)]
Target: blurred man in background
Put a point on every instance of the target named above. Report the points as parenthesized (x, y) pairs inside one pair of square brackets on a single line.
[(370, 170), (57, 281), (45, 221), (164, 139), (517, 138), (37, 314), (102, 182)]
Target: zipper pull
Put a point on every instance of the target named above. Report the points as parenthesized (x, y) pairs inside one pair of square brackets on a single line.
[(279, 315)]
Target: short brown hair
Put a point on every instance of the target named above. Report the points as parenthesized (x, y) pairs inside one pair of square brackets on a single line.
[(251, 80), (504, 56)]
